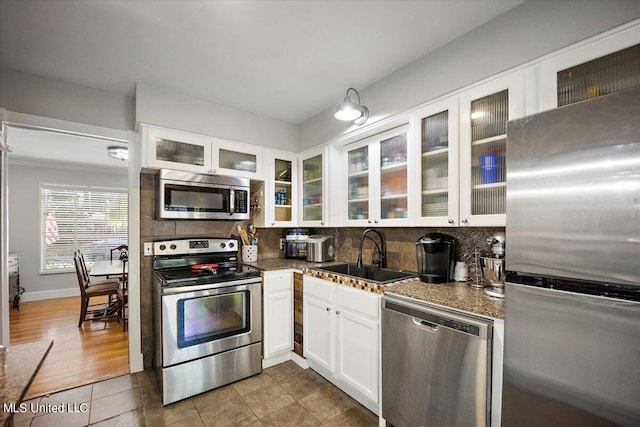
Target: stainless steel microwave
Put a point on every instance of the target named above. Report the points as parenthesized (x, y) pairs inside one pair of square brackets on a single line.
[(187, 195)]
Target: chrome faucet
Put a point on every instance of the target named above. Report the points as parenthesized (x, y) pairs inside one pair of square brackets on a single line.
[(381, 261)]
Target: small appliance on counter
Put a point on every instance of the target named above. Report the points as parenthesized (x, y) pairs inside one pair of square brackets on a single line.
[(435, 254), (320, 248), (295, 245), (493, 266)]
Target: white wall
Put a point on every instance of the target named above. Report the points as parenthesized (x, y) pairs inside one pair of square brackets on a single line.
[(26, 93), (522, 34), (158, 106), (24, 221)]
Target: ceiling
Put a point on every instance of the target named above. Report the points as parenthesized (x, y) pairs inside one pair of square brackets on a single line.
[(288, 60), (62, 150)]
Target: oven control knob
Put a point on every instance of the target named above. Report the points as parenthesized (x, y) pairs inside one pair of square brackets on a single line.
[(223, 245), (172, 247), (231, 244), (163, 247)]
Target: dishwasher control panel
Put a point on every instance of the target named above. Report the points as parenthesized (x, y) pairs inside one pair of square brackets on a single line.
[(429, 317)]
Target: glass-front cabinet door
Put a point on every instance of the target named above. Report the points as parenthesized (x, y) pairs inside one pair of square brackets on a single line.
[(484, 112), (284, 193), (275, 200), (608, 74), (393, 199), (377, 179), (358, 184), (169, 149), (313, 188), (605, 65), (236, 159), (436, 127)]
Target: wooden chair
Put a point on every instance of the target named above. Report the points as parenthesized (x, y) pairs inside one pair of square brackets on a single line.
[(107, 288), (87, 277), (123, 295)]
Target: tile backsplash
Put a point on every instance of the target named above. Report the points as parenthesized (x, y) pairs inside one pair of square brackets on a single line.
[(400, 242)]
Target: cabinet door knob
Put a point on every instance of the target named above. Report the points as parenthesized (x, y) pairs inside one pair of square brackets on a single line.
[(328, 308), (450, 221), (375, 221), (337, 311), (369, 221), (273, 223), (321, 222), (213, 170), (464, 221)]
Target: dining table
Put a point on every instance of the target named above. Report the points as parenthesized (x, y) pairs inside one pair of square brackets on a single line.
[(108, 268)]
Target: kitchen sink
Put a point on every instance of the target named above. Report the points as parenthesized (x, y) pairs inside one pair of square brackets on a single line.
[(377, 275)]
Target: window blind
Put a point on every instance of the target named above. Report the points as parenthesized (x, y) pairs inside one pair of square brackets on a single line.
[(92, 220)]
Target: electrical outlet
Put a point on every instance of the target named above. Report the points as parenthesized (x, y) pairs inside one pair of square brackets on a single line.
[(148, 249), (281, 244)]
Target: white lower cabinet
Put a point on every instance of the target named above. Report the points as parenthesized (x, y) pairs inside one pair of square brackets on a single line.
[(342, 338), (277, 339)]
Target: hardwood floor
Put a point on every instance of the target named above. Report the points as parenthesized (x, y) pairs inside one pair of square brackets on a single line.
[(79, 356)]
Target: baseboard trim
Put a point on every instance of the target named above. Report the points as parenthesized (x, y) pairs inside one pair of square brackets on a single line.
[(136, 363), (57, 293), (300, 361), (275, 360)]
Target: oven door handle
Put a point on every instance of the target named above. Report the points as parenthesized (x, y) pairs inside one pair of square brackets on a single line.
[(215, 288), (232, 201)]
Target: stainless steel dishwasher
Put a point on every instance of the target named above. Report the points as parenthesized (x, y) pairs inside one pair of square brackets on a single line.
[(436, 366)]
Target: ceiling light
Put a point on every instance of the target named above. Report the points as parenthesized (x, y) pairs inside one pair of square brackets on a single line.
[(349, 111), (120, 153)]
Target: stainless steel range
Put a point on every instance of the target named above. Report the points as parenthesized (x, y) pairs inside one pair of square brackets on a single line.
[(207, 316)]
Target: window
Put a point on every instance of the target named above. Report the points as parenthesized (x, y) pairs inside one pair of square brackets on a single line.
[(92, 220)]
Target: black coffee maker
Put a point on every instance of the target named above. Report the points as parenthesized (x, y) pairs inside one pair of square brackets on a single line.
[(435, 253)]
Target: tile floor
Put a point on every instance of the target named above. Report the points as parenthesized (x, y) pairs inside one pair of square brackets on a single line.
[(283, 395)]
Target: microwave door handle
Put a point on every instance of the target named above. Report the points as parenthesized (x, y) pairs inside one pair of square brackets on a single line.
[(232, 201)]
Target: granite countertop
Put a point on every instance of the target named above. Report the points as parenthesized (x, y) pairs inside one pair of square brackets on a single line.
[(271, 264), (455, 295), (20, 363)]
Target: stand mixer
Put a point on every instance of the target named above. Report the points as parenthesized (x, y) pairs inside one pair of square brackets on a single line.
[(493, 266)]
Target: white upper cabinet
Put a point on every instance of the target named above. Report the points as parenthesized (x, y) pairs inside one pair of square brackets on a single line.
[(377, 170), (484, 112), (435, 131), (313, 201), (281, 199), (236, 159), (592, 68), (171, 149)]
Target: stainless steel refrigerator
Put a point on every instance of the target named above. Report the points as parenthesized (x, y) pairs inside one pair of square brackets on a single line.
[(572, 307)]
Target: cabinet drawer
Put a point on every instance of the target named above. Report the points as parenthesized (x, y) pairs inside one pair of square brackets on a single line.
[(318, 289), (357, 301), (277, 281)]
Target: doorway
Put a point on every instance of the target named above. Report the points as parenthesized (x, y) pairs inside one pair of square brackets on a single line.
[(42, 159)]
